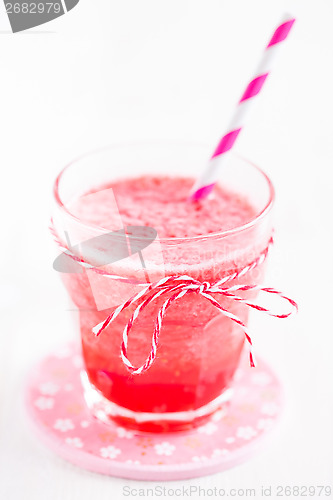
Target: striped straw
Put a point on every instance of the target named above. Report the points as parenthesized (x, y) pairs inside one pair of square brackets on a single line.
[(206, 182)]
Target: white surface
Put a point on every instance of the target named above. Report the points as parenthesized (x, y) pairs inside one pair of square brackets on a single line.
[(112, 70)]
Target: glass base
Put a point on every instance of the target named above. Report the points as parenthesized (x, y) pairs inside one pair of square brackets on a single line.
[(106, 411)]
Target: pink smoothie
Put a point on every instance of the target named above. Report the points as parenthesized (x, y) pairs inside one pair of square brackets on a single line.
[(199, 348), (161, 202)]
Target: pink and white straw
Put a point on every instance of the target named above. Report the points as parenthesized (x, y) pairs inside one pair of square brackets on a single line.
[(208, 179)]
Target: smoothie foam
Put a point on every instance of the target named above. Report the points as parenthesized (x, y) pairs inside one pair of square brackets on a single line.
[(162, 203)]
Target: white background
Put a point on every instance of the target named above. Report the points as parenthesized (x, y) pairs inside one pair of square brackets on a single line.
[(118, 70)]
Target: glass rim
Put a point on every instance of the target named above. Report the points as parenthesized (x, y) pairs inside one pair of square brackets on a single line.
[(217, 234)]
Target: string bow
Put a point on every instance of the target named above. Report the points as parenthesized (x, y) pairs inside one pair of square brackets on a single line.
[(177, 287)]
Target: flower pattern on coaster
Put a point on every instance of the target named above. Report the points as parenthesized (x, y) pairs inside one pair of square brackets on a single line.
[(202, 458), (110, 452), (63, 424), (57, 409), (270, 409), (75, 441), (208, 428), (44, 403), (246, 432), (265, 423), (49, 388), (164, 448), (124, 433)]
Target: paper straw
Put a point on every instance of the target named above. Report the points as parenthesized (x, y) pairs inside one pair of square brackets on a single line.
[(205, 184)]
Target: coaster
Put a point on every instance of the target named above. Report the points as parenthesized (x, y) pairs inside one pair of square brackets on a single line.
[(55, 404)]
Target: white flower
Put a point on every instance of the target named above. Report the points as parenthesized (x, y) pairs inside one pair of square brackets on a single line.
[(208, 428), (124, 433), (63, 424), (219, 453), (230, 440), (265, 423), (270, 409), (260, 378), (164, 448), (49, 388), (76, 442), (218, 415), (202, 458), (84, 424), (110, 452), (246, 432), (44, 403), (136, 462)]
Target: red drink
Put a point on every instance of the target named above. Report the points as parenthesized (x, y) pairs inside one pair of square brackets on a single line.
[(199, 348)]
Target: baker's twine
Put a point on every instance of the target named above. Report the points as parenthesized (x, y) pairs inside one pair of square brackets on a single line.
[(177, 287)]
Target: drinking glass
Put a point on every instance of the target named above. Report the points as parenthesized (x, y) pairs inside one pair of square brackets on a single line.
[(199, 348)]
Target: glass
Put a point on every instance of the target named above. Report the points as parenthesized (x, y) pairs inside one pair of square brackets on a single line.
[(199, 348)]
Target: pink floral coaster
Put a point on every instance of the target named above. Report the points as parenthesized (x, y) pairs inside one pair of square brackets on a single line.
[(55, 403)]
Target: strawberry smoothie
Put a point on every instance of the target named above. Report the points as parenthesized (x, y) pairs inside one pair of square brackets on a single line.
[(199, 348)]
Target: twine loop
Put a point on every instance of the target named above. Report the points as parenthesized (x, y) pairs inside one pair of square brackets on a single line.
[(176, 287)]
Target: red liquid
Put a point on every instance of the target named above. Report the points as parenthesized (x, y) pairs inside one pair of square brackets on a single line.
[(199, 349)]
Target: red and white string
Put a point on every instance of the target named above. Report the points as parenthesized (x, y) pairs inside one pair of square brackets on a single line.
[(176, 287)]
